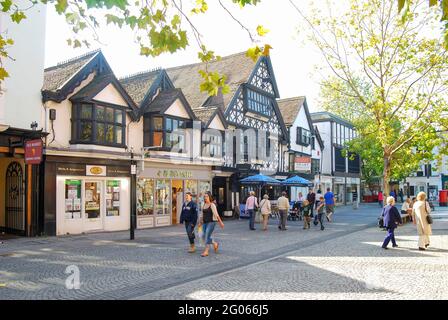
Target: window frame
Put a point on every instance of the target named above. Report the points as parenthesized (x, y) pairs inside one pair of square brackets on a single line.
[(263, 95), (300, 137), (149, 142), (77, 120)]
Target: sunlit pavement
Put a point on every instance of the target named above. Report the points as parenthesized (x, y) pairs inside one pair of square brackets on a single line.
[(344, 261)]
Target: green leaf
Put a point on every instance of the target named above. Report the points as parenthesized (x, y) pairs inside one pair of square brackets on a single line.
[(6, 5), (18, 16), (61, 6), (3, 74), (262, 31)]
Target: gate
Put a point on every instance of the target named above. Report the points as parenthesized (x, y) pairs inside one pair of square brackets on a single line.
[(15, 199)]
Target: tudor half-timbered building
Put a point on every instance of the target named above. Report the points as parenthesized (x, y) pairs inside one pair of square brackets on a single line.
[(258, 134)]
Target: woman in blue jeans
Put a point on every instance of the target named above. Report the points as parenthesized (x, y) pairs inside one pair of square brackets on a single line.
[(208, 221)]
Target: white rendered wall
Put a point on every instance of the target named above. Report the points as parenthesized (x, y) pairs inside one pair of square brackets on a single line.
[(20, 103)]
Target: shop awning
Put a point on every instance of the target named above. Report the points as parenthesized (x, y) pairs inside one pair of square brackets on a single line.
[(297, 181), (260, 179)]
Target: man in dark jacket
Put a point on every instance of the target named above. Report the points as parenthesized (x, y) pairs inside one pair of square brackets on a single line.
[(311, 197), (391, 218), (189, 215)]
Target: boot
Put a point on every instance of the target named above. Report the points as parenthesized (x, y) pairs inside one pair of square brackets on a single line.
[(192, 248)]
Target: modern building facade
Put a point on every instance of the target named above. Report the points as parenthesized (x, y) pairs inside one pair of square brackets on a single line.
[(340, 172)]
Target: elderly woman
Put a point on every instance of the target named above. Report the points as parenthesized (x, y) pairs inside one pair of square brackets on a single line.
[(265, 207), (420, 211), (392, 219)]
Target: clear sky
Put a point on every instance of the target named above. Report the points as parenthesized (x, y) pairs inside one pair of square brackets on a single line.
[(292, 56)]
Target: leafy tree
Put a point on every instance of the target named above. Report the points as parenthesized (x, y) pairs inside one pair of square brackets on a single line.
[(393, 76), (160, 26)]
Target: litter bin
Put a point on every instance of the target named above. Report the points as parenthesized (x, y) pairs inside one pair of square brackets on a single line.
[(443, 198)]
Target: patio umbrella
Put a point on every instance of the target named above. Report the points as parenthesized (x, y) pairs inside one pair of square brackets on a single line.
[(260, 180), (296, 181)]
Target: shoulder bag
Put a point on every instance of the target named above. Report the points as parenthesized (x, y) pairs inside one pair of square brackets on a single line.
[(428, 216)]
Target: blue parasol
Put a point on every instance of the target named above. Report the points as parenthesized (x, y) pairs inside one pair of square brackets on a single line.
[(296, 181)]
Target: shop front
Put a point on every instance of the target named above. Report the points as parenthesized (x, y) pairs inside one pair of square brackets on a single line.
[(339, 190), (161, 189), (89, 197)]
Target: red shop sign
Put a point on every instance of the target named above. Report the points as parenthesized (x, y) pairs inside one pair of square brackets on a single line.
[(33, 151)]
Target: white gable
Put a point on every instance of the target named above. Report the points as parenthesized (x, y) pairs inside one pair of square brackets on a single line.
[(217, 124), (177, 109), (111, 95), (301, 120)]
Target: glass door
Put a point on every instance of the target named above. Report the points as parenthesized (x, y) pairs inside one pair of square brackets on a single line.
[(93, 216)]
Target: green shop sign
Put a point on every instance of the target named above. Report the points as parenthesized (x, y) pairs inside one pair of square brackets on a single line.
[(174, 174), (73, 182)]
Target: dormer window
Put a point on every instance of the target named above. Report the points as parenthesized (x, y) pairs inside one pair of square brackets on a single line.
[(303, 137), (98, 124), (164, 133)]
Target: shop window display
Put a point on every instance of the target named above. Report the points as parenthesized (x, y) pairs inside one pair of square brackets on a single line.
[(162, 197), (192, 186), (204, 186), (113, 198), (72, 199), (145, 197), (92, 200)]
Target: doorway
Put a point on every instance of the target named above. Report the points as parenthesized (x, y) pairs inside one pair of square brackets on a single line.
[(93, 207), (177, 199), (15, 199)]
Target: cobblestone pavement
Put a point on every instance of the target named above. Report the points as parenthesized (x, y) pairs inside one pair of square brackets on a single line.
[(343, 261)]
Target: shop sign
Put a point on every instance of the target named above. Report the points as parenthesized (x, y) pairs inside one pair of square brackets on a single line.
[(174, 174), (339, 180), (302, 164), (118, 171), (96, 171), (33, 151), (71, 170)]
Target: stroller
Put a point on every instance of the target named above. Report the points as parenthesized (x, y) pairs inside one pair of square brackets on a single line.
[(294, 215)]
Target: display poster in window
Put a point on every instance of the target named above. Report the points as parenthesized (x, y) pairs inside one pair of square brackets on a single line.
[(145, 197), (72, 199), (113, 198), (302, 164)]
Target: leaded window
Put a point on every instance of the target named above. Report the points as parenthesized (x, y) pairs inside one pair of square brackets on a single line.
[(98, 124), (212, 145), (303, 136), (258, 103), (165, 132)]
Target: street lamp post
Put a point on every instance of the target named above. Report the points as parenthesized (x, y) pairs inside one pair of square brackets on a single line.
[(133, 195)]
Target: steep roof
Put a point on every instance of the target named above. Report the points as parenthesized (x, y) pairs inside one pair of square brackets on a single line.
[(164, 100), (56, 76), (290, 109), (205, 114), (324, 116), (138, 85), (237, 67)]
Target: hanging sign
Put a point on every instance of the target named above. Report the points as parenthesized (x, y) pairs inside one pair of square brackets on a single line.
[(33, 151)]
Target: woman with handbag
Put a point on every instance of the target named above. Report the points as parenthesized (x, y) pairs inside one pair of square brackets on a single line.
[(208, 221), (265, 207), (423, 220)]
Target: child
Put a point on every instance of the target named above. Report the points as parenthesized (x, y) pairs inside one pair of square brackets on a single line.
[(306, 214), (320, 213)]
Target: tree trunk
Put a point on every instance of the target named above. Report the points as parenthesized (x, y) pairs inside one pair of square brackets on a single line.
[(386, 178)]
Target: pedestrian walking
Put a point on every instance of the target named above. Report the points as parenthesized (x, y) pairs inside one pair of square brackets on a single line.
[(321, 213), (307, 207), (329, 204), (208, 221), (189, 215), (283, 207), (392, 219), (421, 211), (393, 194), (311, 197), (251, 206), (265, 208), (318, 196), (381, 199)]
